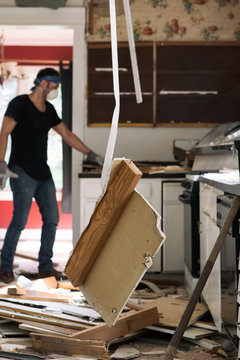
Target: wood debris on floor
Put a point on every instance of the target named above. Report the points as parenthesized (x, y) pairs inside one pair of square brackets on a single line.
[(39, 325)]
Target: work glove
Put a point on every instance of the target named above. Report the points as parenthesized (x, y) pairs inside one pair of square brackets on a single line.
[(95, 158), (5, 173)]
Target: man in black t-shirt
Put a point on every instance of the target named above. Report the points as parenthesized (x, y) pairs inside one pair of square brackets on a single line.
[(28, 120)]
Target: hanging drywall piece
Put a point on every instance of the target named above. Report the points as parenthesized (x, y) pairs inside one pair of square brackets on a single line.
[(126, 256)]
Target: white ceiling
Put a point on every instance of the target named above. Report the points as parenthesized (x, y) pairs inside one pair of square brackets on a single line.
[(37, 35), (69, 3)]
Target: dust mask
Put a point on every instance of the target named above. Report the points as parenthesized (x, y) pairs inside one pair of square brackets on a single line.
[(52, 95)]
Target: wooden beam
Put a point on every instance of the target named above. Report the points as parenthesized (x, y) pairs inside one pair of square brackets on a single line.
[(65, 346), (132, 321), (102, 222)]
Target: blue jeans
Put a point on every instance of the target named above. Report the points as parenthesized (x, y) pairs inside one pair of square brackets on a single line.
[(24, 189)]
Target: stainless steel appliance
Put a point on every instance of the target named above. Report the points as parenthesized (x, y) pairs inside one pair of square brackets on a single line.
[(215, 150), (212, 153)]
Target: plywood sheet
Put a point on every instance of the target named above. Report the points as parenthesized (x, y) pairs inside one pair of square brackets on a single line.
[(124, 259), (171, 310)]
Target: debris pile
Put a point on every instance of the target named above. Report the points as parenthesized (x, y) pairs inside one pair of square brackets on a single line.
[(49, 319)]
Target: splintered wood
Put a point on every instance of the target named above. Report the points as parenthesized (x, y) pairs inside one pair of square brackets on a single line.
[(102, 222), (128, 323), (129, 228), (76, 330), (65, 346)]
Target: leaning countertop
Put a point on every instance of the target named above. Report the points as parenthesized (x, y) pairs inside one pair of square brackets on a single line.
[(227, 181)]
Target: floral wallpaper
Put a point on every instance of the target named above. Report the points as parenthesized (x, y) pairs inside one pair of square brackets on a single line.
[(175, 20)]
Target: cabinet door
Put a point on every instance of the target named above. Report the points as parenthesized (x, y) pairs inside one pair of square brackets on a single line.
[(197, 83), (208, 236), (101, 100), (90, 191), (173, 227)]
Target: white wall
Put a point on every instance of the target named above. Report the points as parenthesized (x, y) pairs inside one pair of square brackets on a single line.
[(142, 143)]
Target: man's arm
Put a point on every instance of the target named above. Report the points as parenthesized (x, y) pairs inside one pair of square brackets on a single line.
[(71, 139), (8, 125)]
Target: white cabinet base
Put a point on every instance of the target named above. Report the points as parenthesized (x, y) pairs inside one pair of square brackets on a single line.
[(151, 189), (173, 227)]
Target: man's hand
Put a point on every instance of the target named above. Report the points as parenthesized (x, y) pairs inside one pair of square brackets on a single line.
[(95, 158), (5, 173)]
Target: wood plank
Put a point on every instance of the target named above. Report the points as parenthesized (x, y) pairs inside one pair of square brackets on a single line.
[(19, 317), (38, 296), (171, 310), (65, 346), (41, 330), (66, 285), (205, 325), (40, 312), (125, 258), (63, 331), (17, 340), (102, 221), (206, 343), (133, 306), (132, 321), (80, 311)]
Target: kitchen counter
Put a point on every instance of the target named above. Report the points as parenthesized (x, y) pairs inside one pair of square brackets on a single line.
[(150, 169), (225, 181), (163, 175)]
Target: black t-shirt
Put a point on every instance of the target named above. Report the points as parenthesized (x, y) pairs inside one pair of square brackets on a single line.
[(30, 136)]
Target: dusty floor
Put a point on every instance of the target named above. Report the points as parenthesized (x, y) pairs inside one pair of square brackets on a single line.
[(151, 345)]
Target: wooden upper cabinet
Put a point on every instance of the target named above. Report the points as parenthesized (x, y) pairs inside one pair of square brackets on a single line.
[(101, 100), (183, 84), (197, 83)]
